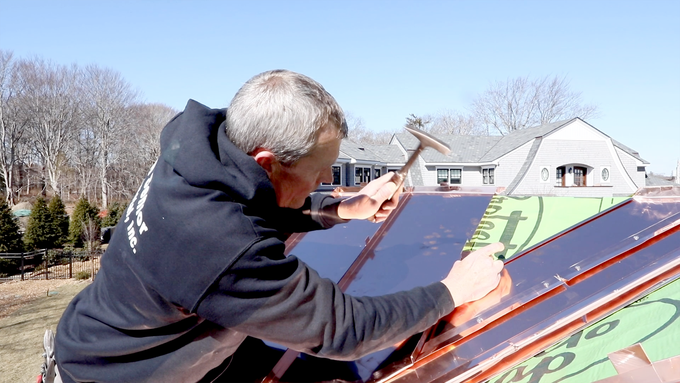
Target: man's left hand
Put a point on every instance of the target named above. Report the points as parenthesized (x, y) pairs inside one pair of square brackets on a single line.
[(373, 201)]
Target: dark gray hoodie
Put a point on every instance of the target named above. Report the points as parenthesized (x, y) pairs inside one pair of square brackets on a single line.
[(196, 265)]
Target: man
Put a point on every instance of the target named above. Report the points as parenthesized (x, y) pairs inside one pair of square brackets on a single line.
[(196, 265)]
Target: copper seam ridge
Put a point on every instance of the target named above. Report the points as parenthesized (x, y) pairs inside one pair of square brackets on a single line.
[(663, 233), (558, 289), (528, 350), (555, 332), (634, 293), (568, 230), (667, 190), (559, 333), (667, 227), (292, 241), (426, 335)]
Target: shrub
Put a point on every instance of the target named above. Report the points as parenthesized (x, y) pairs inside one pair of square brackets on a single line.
[(40, 233), (59, 220), (81, 275), (115, 211), (10, 238), (83, 214)]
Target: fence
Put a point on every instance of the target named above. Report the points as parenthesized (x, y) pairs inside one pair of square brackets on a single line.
[(49, 264)]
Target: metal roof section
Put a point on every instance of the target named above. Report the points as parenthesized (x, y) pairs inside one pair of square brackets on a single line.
[(401, 253), (549, 291), (651, 321)]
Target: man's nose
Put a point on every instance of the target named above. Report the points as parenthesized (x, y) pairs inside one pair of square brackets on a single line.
[(326, 176)]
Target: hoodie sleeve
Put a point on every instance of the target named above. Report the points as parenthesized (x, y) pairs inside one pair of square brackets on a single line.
[(320, 211), (283, 300)]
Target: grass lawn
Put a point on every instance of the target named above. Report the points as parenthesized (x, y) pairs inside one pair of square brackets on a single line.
[(21, 332)]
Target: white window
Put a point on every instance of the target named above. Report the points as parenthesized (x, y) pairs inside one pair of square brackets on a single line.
[(545, 174), (560, 176), (488, 176), (450, 176), (362, 174), (337, 176), (605, 174)]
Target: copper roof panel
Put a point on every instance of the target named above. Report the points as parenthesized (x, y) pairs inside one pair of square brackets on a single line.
[(627, 251), (417, 245), (547, 292)]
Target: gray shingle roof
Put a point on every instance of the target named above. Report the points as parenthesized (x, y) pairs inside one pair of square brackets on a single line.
[(469, 149), (476, 149), (388, 153), (367, 152), (463, 148), (628, 150), (517, 138), (654, 180)]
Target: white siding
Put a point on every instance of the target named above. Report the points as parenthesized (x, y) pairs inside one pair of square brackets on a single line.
[(593, 154), (630, 164), (510, 164), (471, 175)]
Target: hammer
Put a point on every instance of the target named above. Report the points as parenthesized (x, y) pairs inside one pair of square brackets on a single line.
[(426, 140)]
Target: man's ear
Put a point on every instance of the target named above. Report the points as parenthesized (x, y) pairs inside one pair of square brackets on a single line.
[(266, 159)]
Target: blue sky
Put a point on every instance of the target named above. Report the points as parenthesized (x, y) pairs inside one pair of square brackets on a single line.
[(382, 60)]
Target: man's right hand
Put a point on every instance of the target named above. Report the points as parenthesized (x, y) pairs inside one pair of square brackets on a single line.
[(475, 276)]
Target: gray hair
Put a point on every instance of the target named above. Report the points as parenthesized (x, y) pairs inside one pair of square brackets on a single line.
[(284, 112)]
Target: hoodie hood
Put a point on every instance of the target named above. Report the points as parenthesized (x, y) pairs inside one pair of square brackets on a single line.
[(196, 147)]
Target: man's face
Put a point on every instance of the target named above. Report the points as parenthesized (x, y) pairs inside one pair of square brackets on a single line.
[(294, 183)]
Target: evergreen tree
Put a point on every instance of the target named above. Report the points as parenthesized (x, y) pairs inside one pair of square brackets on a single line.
[(40, 233), (82, 213), (115, 211), (10, 238), (59, 219)]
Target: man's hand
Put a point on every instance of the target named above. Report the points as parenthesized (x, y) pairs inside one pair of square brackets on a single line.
[(475, 276), (372, 201)]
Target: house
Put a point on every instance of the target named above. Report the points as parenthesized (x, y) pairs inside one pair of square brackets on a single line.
[(358, 164), (565, 158)]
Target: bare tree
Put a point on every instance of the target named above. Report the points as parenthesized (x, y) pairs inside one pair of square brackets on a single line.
[(449, 122), (555, 102), (12, 123), (522, 102), (142, 144), (358, 132), (90, 235), (106, 112), (149, 121), (51, 99), (418, 122)]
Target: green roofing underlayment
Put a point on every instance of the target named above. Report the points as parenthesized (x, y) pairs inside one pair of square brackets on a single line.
[(520, 222), (652, 321)]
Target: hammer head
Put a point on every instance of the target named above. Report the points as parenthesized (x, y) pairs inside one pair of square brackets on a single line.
[(429, 141)]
